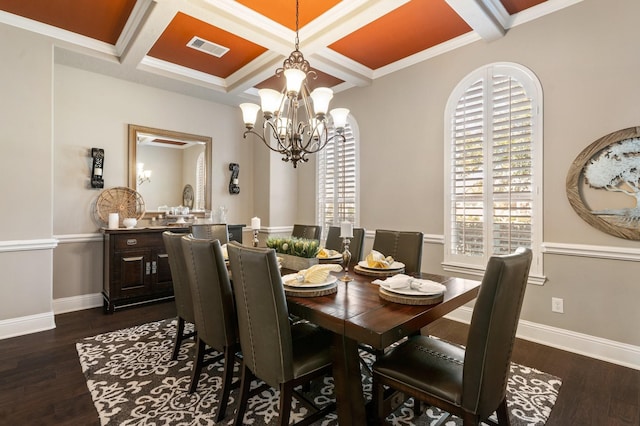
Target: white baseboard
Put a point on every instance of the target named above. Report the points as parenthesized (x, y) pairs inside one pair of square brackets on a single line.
[(77, 303), (26, 325), (570, 341)]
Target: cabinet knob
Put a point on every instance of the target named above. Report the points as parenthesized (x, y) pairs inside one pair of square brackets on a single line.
[(132, 242)]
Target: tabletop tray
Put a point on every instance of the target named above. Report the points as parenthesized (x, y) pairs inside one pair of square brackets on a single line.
[(311, 292), (431, 299), (377, 272)]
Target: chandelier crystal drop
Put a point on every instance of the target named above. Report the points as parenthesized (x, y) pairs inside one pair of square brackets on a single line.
[(296, 122)]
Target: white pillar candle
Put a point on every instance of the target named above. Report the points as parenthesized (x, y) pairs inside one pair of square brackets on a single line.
[(346, 230), (114, 221), (255, 223)]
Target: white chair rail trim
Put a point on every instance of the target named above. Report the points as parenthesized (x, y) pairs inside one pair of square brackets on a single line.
[(28, 245)]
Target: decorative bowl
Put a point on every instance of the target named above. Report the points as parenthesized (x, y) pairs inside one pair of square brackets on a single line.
[(129, 222)]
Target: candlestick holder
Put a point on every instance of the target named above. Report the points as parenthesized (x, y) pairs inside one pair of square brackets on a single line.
[(346, 260), (255, 238)]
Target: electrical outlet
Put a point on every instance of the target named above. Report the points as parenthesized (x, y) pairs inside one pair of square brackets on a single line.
[(557, 305)]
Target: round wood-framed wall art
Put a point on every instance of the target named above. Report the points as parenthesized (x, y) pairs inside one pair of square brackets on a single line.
[(628, 228)]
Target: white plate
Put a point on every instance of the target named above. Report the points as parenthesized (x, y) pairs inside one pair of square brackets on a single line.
[(407, 291), (334, 257), (392, 267), (297, 284)]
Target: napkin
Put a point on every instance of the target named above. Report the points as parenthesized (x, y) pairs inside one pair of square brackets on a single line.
[(375, 259), (402, 281), (325, 252), (318, 273)]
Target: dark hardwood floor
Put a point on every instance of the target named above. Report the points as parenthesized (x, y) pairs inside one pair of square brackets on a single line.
[(41, 382)]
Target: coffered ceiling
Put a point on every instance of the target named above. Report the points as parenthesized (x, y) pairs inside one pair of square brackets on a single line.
[(349, 43)]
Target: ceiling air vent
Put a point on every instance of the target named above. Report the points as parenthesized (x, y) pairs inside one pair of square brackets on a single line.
[(207, 47)]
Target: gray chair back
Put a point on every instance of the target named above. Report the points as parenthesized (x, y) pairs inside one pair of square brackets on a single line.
[(405, 247), (263, 321), (179, 275), (492, 331), (356, 245), (310, 232), (214, 309), (211, 231)]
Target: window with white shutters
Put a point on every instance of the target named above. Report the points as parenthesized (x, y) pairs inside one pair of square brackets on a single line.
[(494, 172), (337, 180)]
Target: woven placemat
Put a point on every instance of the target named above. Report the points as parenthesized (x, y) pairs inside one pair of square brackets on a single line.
[(431, 299), (311, 292), (377, 272)]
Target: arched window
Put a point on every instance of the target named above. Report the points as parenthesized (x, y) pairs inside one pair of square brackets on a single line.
[(337, 180), (493, 163), (201, 173)]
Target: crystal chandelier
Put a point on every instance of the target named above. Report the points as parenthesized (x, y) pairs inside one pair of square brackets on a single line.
[(283, 130)]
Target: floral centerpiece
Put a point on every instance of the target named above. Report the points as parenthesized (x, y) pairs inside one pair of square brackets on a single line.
[(296, 253)]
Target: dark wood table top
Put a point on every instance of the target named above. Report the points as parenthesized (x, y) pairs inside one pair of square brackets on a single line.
[(357, 311)]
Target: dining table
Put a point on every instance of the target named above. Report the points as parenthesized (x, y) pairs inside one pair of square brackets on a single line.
[(357, 314)]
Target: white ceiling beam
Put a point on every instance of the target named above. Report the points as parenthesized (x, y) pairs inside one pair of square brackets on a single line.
[(480, 18)]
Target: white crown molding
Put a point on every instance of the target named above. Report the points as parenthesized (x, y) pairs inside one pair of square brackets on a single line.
[(28, 245), (26, 325), (57, 33), (566, 340)]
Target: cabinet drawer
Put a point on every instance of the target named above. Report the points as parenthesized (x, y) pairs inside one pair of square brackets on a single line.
[(137, 241)]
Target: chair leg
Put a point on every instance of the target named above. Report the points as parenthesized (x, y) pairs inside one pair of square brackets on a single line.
[(503, 413), (227, 377), (377, 398), (198, 361), (245, 386), (286, 395), (178, 339)]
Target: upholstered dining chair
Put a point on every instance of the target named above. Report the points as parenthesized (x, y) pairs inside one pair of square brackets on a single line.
[(311, 232), (405, 247), (181, 289), (214, 311), (211, 231), (469, 383), (356, 245), (281, 354)]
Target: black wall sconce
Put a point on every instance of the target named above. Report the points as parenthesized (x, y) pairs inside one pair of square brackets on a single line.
[(234, 188), (97, 155)]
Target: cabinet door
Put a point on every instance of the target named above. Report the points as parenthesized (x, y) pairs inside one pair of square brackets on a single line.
[(131, 274), (161, 273)]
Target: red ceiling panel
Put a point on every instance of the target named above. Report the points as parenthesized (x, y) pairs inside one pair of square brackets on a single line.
[(172, 47), (409, 29), (284, 11), (515, 6), (99, 19)]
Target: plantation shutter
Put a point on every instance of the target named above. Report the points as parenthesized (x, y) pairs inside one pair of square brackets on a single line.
[(337, 181), (491, 205)]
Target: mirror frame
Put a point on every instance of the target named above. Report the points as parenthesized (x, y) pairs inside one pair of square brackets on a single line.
[(133, 150)]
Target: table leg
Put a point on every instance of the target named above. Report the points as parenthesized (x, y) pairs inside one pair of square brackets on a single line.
[(348, 382)]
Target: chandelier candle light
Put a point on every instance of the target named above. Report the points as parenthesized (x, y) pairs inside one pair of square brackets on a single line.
[(346, 233), (282, 130)]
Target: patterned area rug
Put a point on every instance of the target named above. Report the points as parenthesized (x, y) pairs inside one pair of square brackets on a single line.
[(133, 382)]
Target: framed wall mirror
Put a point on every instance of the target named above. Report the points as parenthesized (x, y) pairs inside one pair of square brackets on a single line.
[(170, 169)]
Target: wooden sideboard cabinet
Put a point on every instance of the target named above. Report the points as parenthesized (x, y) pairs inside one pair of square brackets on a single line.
[(136, 267)]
